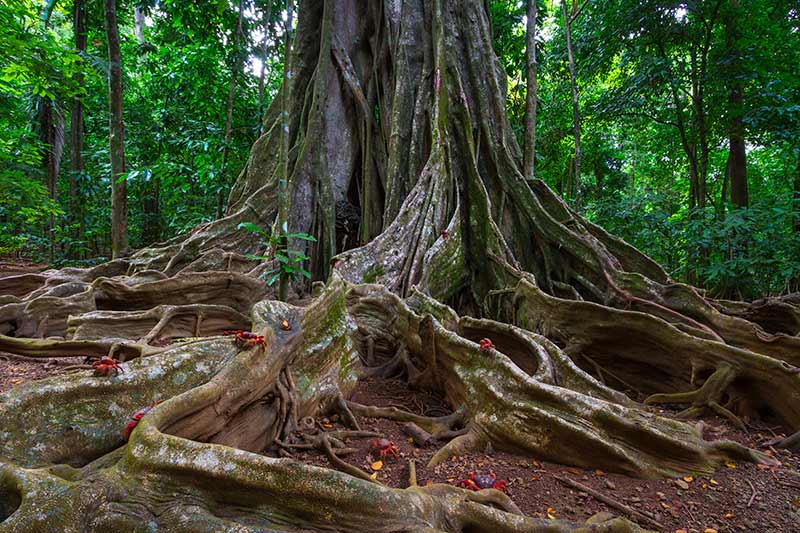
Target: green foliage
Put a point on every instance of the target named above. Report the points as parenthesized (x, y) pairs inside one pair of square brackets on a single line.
[(635, 168), (289, 262), (176, 88)]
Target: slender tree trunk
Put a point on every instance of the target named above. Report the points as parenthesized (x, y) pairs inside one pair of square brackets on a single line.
[(138, 24), (531, 91), (51, 124), (262, 76), (576, 113), (76, 123), (237, 66), (284, 199), (119, 189), (796, 195), (737, 158)]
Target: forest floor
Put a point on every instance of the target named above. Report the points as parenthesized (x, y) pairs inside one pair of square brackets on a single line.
[(738, 497)]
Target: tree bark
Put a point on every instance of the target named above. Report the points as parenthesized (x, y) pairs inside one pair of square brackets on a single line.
[(51, 133), (737, 156), (284, 198), (76, 123), (267, 11), (576, 113), (235, 70), (531, 90), (119, 187)]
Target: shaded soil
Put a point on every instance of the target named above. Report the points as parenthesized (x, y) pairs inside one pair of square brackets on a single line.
[(738, 497), (16, 370)]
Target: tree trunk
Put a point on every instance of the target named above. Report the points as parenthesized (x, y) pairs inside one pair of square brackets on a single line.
[(466, 234), (51, 133), (531, 90), (737, 157), (138, 24), (237, 67), (119, 187), (576, 113), (76, 124), (284, 197), (796, 194), (267, 12)]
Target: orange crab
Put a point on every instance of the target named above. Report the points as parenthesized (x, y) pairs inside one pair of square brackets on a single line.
[(246, 338), (106, 366), (386, 447)]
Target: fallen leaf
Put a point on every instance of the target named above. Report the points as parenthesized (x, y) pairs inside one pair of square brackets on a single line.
[(730, 464), (709, 530), (599, 473), (327, 425), (729, 515), (374, 475), (681, 531), (537, 464), (704, 485), (688, 479), (429, 483), (713, 482), (574, 471), (551, 513), (796, 501), (377, 465)]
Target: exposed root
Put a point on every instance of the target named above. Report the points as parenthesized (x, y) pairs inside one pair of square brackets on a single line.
[(439, 427), (471, 441), (496, 498)]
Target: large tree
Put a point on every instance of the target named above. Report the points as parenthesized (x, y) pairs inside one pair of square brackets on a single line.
[(403, 166)]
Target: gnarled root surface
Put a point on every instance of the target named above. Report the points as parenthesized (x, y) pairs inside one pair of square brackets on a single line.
[(203, 458)]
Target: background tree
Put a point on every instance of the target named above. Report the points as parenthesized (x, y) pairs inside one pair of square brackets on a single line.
[(119, 186)]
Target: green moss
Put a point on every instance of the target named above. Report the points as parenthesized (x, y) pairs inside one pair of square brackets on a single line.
[(372, 275)]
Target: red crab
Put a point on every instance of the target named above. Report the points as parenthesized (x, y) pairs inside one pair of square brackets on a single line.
[(445, 234), (486, 344), (138, 415), (478, 482), (106, 366), (245, 338), (386, 447)]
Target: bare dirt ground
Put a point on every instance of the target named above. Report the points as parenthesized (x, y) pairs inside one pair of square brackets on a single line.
[(738, 497)]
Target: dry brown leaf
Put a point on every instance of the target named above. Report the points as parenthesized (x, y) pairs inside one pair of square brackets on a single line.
[(377, 465)]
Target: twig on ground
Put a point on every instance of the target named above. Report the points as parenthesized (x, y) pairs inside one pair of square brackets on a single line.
[(610, 501), (753, 495)]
